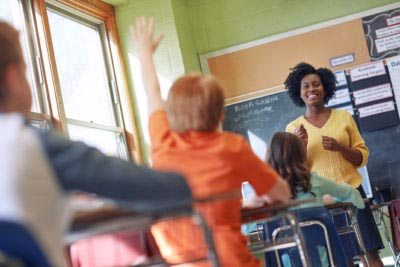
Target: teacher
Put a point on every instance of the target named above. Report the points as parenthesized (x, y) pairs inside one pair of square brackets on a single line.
[(335, 148)]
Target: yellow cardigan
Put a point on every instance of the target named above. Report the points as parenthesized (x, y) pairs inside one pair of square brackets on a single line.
[(329, 164)]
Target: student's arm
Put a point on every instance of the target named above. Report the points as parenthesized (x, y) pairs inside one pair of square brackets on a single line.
[(146, 46), (82, 168), (342, 192)]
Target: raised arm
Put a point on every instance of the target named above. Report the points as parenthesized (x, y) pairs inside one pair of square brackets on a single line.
[(146, 45)]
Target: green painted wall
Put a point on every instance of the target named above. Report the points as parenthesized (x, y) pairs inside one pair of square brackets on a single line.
[(168, 57), (194, 27), (185, 34), (222, 23)]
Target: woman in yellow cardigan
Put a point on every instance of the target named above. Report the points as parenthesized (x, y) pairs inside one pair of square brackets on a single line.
[(335, 148)]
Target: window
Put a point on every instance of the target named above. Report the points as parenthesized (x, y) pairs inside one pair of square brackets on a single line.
[(13, 12), (90, 101), (73, 73)]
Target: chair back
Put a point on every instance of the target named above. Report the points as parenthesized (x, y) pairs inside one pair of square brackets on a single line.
[(19, 243), (318, 230), (30, 194), (394, 214)]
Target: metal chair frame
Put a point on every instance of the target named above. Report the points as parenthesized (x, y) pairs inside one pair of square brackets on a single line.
[(296, 240), (272, 212), (305, 224), (352, 226)]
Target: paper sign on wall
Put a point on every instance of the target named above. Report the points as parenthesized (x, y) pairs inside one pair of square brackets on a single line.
[(393, 65), (367, 71), (372, 94)]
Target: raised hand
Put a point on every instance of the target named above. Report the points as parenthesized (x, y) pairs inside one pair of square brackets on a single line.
[(146, 44), (329, 143), (301, 132), (143, 35)]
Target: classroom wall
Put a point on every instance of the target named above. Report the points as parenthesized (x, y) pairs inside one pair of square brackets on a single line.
[(222, 23), (194, 27), (168, 57)]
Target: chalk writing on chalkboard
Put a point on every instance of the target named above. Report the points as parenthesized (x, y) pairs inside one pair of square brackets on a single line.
[(382, 32), (258, 119)]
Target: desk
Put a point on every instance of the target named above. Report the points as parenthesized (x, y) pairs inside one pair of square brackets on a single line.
[(111, 218), (271, 211)]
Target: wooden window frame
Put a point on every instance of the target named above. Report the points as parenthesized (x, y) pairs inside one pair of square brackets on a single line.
[(48, 71)]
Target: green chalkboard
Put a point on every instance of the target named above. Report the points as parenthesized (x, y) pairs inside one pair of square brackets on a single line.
[(261, 116)]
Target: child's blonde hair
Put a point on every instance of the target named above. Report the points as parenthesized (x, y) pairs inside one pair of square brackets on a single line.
[(195, 102)]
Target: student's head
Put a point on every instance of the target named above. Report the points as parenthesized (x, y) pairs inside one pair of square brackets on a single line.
[(287, 155), (195, 103), (304, 78), (15, 95)]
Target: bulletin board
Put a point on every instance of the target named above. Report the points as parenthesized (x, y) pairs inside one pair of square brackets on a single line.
[(265, 63)]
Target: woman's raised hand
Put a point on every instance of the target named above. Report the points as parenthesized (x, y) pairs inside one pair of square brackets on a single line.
[(301, 132)]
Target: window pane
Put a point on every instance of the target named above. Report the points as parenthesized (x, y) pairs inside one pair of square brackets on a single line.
[(105, 141), (11, 11), (40, 124), (81, 69)]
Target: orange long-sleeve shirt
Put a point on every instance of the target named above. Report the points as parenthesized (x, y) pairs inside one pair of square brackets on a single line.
[(213, 163)]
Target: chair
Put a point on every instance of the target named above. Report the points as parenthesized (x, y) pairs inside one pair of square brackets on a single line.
[(394, 214), (378, 210), (268, 218), (346, 214), (30, 194), (16, 241), (317, 229), (9, 261)]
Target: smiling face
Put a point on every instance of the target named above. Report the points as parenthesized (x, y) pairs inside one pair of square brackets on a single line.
[(312, 90)]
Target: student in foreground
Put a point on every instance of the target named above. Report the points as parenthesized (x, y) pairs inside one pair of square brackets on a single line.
[(38, 168), (185, 138), (288, 156)]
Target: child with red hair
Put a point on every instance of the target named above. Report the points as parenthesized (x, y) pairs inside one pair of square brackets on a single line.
[(185, 138)]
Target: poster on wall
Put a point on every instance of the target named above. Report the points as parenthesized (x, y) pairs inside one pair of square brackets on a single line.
[(382, 33), (373, 96), (393, 65), (342, 98)]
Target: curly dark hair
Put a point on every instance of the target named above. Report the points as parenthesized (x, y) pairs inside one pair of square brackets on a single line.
[(287, 154), (293, 82)]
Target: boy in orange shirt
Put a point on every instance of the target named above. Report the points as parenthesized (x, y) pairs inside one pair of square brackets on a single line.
[(185, 138)]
